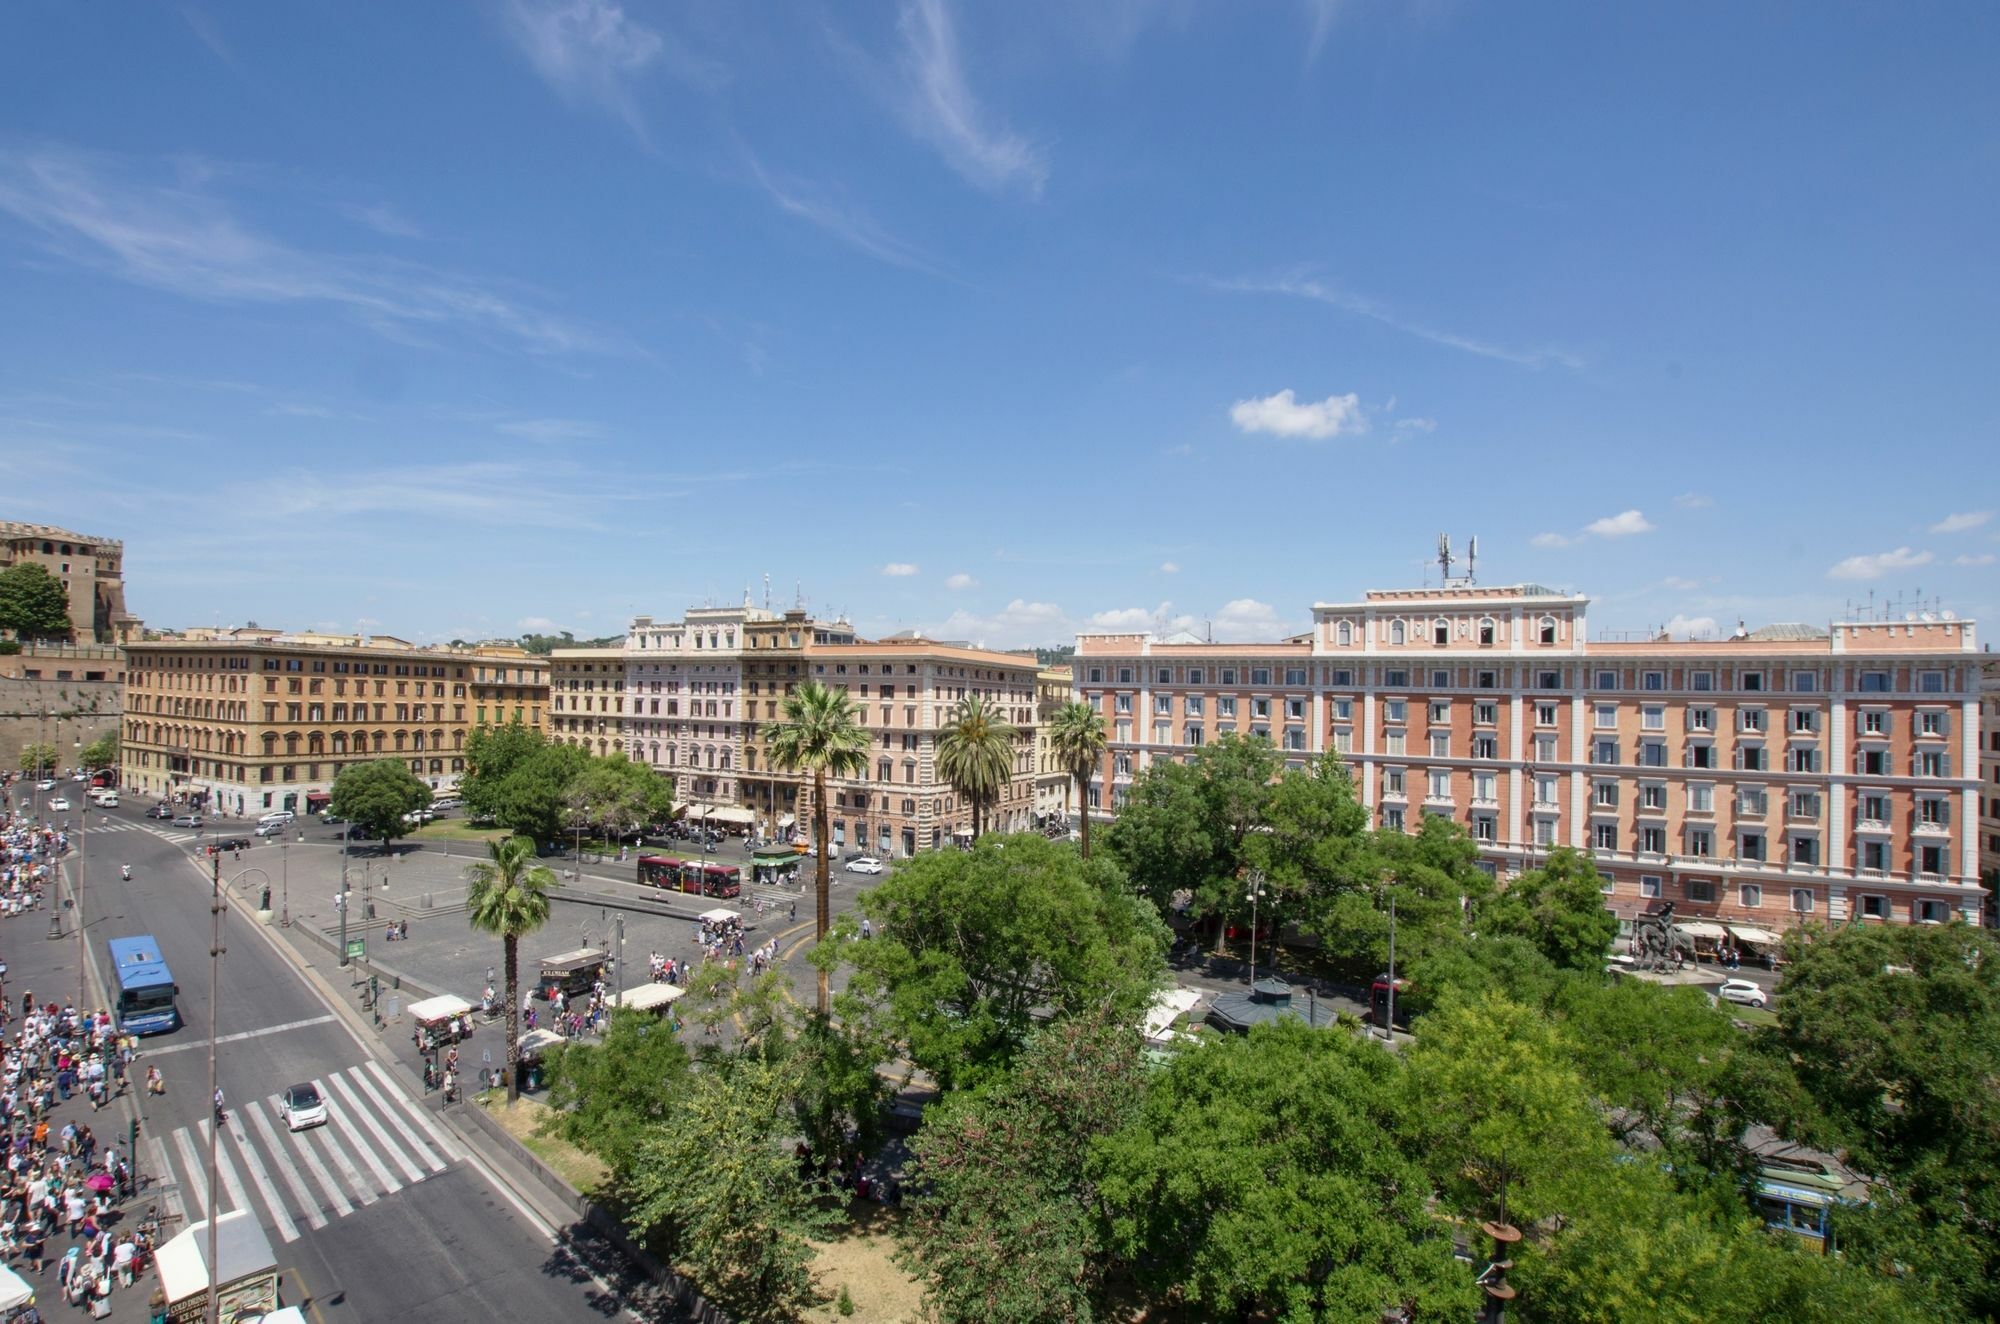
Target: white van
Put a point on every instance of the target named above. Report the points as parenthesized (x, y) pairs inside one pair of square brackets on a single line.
[(106, 798)]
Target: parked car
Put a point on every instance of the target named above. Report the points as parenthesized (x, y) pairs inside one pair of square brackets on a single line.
[(303, 1107), (863, 864), (419, 816), (187, 820), (228, 843), (160, 811), (1742, 991)]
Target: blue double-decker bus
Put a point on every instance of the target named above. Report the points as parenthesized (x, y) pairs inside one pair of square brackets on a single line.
[(145, 987)]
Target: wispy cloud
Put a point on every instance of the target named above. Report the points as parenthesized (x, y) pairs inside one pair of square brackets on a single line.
[(1300, 286), (1550, 540), (899, 569), (942, 110), (961, 581), (1322, 15), (382, 219), (1694, 501), (1877, 564), (549, 429), (1424, 425), (591, 53), (498, 494), (841, 219), (1170, 567), (1622, 525), (1982, 558), (177, 236), (1284, 415), (1962, 522), (210, 36)]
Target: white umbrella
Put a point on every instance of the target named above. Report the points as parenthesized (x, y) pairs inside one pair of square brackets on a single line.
[(14, 1289)]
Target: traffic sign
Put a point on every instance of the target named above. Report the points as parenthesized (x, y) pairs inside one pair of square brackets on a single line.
[(357, 949)]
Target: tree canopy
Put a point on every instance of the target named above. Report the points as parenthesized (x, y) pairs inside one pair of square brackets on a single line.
[(972, 944), (375, 796), (605, 1096), (33, 603), (1560, 908), (102, 752), (975, 753)]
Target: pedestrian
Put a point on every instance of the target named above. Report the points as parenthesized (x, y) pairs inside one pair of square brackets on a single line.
[(155, 1082)]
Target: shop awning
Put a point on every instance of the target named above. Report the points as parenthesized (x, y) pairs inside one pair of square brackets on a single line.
[(442, 1007), (732, 814), (693, 810), (1701, 928), (774, 857), (785, 822), (651, 997), (1762, 937)]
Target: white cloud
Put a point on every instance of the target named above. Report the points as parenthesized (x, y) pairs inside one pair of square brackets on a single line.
[(1622, 525), (1300, 286), (1124, 618), (1692, 627), (1879, 564), (383, 219), (177, 236), (1959, 523), (1020, 624), (535, 625), (899, 569), (1282, 415), (1170, 567), (1247, 620), (942, 110), (1694, 501), (1682, 583), (961, 581), (1183, 449), (1549, 540), (840, 218), (587, 50), (1416, 425), (1984, 558)]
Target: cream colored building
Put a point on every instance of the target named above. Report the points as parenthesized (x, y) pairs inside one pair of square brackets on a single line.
[(247, 721), (91, 570), (1989, 784), (587, 699), (775, 654), (510, 684), (684, 679), (1055, 789)]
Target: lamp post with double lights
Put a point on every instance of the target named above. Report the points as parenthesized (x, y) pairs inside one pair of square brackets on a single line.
[(217, 905), (1255, 895)]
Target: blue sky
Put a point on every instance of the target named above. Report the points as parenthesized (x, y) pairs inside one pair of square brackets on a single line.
[(1002, 321)]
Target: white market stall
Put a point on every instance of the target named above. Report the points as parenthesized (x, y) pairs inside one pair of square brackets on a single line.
[(1167, 1008), (440, 1008), (651, 997), (247, 1281), (14, 1290)]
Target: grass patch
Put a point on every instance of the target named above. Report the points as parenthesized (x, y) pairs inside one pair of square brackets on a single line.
[(522, 1119), (451, 829), (1757, 1016), (861, 1261)]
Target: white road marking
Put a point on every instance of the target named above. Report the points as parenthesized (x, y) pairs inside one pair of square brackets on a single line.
[(369, 1120), (309, 1147), (238, 1037), (426, 1126), (267, 1190), (192, 1165), (344, 1117), (226, 1171), (307, 1205)]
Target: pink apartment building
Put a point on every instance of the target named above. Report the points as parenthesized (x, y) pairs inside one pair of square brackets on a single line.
[(1783, 776)]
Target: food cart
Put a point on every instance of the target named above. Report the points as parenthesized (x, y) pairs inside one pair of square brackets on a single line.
[(656, 998), (444, 1019), (720, 925), (535, 1044), (246, 1283), (572, 972)]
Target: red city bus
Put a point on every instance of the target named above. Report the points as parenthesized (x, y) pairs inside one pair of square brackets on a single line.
[(720, 880), (660, 871)]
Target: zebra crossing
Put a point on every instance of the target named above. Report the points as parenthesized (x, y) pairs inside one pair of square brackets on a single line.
[(179, 836), (375, 1142)]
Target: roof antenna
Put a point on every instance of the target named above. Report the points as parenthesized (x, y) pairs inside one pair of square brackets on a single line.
[(1444, 555), (1472, 559)]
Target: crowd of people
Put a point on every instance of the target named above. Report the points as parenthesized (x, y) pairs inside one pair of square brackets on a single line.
[(27, 854)]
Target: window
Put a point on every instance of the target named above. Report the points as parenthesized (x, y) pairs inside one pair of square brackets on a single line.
[(1653, 680), (1488, 680), (1653, 797), (1802, 900), (1874, 723), (1805, 721), (1194, 675), (1344, 633), (1931, 912), (1440, 680), (1930, 682), (1166, 677), (1486, 714), (1295, 737), (1486, 747), (1295, 675), (1930, 860), (1932, 724), (1930, 763), (1874, 682), (1802, 760), (1606, 751), (1441, 631), (1805, 682), (1392, 819), (1548, 680), (1750, 719), (1875, 762), (1701, 843), (1653, 840), (1396, 679), (1295, 709), (1485, 827), (1124, 703), (1701, 798), (1605, 795), (1607, 680), (1486, 630), (1545, 832), (1395, 710), (1701, 889), (1701, 719), (1229, 675), (1225, 705), (1751, 848), (1750, 896), (1163, 704), (1875, 857), (1751, 802), (1652, 718), (1934, 811), (1260, 708), (1545, 714), (1194, 705), (1440, 712), (1192, 734), (1805, 850), (1545, 749), (1752, 681), (1440, 784), (1649, 886), (1392, 742), (1874, 907), (1343, 678), (1485, 786), (1260, 675), (1545, 790), (1396, 632), (1874, 808), (1440, 744), (1701, 680), (1751, 759), (1548, 629), (1606, 839), (1392, 781), (1606, 717)]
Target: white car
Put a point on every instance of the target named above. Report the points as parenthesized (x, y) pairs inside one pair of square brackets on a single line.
[(1742, 991), (303, 1107), (47, 784), (59, 804), (863, 864)]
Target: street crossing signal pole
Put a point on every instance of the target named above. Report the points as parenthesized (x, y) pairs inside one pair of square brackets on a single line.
[(214, 1311)]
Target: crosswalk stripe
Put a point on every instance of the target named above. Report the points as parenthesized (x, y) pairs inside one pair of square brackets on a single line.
[(417, 1129), (195, 1183), (346, 1117), (260, 1179), (310, 1143), (285, 1169), (226, 1171), (433, 1129), (388, 1145)]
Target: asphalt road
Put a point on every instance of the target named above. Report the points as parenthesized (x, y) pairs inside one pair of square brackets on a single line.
[(384, 1213)]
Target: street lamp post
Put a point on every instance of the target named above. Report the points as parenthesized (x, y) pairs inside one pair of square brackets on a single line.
[(341, 903), (1256, 895), (1389, 1026), (285, 883)]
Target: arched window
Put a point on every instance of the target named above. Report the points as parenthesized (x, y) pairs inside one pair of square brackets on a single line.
[(1396, 633), (1440, 631), (340, 742), (1345, 633), (1486, 630), (724, 765), (270, 743), (1548, 629), (402, 740)]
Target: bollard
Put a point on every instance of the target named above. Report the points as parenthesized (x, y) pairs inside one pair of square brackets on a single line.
[(427, 901)]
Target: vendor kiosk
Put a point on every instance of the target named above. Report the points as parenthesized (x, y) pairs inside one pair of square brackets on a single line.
[(246, 1283)]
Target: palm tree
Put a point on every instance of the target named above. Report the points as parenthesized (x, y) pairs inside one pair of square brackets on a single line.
[(975, 753), (821, 734), (509, 898), (1076, 733)]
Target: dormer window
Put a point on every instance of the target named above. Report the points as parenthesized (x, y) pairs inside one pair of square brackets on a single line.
[(1441, 632), (1486, 630), (1548, 629)]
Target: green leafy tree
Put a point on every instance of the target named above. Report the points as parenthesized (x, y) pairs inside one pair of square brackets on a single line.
[(375, 797), (508, 897), (532, 799), (33, 602), (1076, 734), (1261, 1179), (101, 752), (38, 759), (1007, 1228), (975, 753), (1659, 1059), (821, 734), (492, 753), (1560, 908), (837, 1093), (1181, 832), (1887, 1048), (606, 1096), (1498, 1112), (972, 944), (714, 1179), (613, 795), (1509, 967)]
